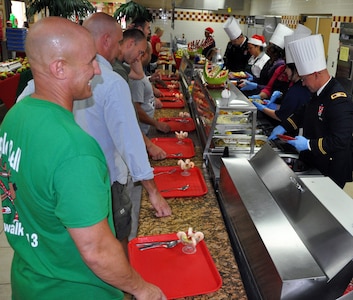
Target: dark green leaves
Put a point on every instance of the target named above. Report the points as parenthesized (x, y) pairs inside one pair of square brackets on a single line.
[(62, 8), (131, 10)]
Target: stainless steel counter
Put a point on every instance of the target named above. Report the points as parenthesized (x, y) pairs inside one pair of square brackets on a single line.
[(292, 243)]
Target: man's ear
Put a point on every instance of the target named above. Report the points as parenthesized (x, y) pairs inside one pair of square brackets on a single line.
[(130, 43), (58, 68), (106, 40)]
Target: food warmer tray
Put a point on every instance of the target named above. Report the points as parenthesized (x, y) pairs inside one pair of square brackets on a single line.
[(234, 115), (292, 236)]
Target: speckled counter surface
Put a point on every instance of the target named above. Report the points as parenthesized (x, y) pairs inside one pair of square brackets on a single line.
[(200, 213)]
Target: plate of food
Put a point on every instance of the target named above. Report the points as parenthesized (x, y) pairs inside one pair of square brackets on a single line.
[(239, 75), (260, 101)]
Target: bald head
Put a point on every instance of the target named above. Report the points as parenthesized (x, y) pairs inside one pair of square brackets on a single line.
[(53, 38), (62, 57), (106, 32)]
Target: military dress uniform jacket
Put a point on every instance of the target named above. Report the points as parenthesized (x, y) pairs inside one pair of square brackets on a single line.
[(236, 58), (327, 121)]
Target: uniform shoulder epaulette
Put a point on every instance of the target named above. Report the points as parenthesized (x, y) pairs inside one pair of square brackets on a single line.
[(338, 94)]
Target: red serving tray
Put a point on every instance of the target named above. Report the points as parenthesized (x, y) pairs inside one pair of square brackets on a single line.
[(170, 77), (180, 103), (170, 92), (179, 126), (170, 146), (196, 181), (161, 86), (177, 274)]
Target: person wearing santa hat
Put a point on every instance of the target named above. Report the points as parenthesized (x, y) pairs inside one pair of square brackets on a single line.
[(273, 69), (209, 42), (297, 94), (327, 120), (259, 58)]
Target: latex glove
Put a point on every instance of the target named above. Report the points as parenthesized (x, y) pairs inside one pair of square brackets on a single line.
[(255, 97), (300, 143), (277, 130), (250, 77), (275, 95), (269, 105), (259, 106), (248, 85)]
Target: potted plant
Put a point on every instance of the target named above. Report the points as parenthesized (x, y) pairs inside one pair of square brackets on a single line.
[(62, 8), (131, 10)]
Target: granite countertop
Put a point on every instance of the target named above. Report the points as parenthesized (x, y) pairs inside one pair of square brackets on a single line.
[(200, 213)]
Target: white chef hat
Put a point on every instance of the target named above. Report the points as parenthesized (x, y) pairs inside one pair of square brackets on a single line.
[(231, 27), (308, 54), (301, 29), (291, 38), (278, 35)]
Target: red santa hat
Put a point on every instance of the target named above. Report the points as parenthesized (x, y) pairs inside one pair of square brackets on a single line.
[(209, 29), (258, 40)]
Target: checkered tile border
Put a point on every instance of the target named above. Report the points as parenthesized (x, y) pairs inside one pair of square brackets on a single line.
[(197, 16), (336, 22), (291, 21), (200, 16)]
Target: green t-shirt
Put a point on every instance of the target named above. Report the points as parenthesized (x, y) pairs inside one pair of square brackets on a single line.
[(53, 176)]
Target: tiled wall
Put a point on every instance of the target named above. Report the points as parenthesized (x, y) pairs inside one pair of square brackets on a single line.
[(336, 22), (202, 16), (308, 7), (291, 21), (185, 18), (197, 16)]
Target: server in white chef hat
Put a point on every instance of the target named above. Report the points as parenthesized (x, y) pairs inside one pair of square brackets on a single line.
[(327, 120), (278, 35), (296, 96), (276, 45), (236, 55)]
